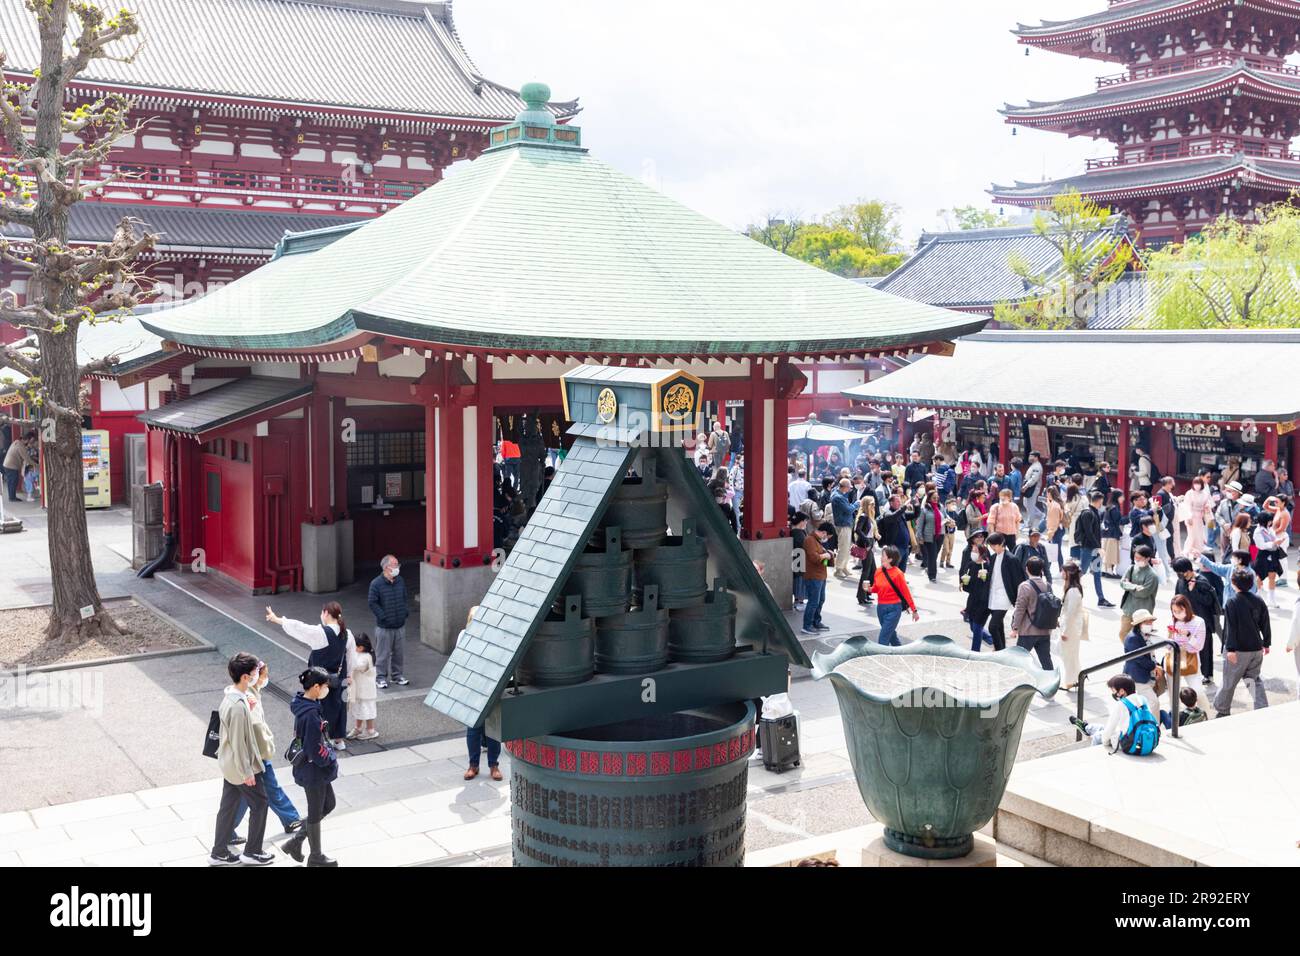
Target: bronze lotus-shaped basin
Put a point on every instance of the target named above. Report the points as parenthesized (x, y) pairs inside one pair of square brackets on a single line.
[(932, 731)]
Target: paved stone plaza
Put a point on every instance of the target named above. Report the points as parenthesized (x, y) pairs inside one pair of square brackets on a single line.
[(125, 784)]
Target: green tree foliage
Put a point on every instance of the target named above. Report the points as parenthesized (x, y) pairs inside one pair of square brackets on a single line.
[(854, 241), (1064, 297), (973, 217), (1232, 275), (875, 223)]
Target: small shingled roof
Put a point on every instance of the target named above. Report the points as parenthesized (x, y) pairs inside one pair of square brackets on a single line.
[(1091, 373), (971, 268), (225, 404), (1136, 179)]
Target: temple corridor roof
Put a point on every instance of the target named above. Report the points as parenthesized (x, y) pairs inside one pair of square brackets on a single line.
[(400, 56), (1154, 178)]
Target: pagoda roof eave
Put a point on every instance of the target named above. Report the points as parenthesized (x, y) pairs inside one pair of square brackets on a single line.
[(1121, 18), (1273, 176), (1184, 88)]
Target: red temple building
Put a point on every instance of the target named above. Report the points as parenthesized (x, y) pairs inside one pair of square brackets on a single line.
[(262, 117), (1202, 116)]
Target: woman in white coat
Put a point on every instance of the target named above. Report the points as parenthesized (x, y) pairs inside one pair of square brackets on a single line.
[(334, 649), (1073, 625)]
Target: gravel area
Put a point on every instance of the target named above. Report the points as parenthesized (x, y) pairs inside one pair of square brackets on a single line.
[(21, 643)]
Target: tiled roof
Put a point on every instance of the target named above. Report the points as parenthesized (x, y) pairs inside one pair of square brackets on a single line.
[(551, 249), (1151, 176), (225, 404), (970, 268), (1178, 84), (1107, 373), (389, 55), (196, 228), (1119, 12)]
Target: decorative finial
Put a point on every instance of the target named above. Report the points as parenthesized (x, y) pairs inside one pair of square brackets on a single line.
[(535, 95)]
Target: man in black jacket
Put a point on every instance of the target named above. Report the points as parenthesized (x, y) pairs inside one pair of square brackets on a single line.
[(1087, 543), (916, 473), (1205, 605), (1247, 637), (1034, 548)]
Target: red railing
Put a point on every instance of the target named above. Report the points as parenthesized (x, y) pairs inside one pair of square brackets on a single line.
[(1198, 61), (252, 181), (1215, 146)]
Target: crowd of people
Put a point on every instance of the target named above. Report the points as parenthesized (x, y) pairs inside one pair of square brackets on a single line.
[(1022, 538)]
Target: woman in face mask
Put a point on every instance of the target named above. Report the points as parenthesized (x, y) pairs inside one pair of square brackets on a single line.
[(1143, 669), (316, 768), (1198, 506)]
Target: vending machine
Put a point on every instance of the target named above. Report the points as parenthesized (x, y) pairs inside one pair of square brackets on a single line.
[(94, 469)]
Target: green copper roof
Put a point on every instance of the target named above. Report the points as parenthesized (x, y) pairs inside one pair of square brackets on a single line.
[(538, 247)]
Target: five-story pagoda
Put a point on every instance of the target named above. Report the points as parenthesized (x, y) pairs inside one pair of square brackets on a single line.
[(1202, 116)]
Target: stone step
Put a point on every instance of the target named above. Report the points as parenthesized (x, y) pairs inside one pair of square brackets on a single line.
[(864, 847)]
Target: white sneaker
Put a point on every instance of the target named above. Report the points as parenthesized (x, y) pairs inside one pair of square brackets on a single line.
[(340, 744), (369, 735)]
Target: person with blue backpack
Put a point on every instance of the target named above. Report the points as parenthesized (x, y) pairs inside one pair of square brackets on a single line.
[(1130, 726)]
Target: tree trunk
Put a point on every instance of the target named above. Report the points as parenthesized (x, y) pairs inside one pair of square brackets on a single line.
[(72, 572)]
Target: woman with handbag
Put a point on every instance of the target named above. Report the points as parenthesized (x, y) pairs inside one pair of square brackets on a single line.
[(315, 762), (332, 649), (1073, 626), (1189, 631), (864, 547), (974, 577)]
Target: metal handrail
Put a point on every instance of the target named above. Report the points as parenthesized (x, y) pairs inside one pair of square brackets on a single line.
[(1177, 681)]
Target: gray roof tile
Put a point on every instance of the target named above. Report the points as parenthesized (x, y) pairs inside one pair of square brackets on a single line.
[(225, 404)]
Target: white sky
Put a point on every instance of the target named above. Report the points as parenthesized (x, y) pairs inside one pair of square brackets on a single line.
[(739, 108)]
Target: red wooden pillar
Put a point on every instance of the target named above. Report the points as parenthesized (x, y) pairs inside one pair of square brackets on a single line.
[(1270, 443), (486, 455), (319, 439), (902, 430), (758, 469), (1121, 472), (1004, 442), (431, 421), (1293, 464)]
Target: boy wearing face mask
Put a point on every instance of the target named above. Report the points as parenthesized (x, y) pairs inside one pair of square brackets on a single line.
[(1143, 670)]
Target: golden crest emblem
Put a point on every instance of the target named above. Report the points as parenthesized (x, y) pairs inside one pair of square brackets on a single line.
[(679, 402), (606, 405)]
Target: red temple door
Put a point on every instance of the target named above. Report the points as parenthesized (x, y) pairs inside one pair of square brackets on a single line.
[(211, 516)]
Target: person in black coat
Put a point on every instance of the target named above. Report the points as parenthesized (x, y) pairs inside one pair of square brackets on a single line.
[(864, 536), (1034, 548), (973, 576), (1204, 598), (1008, 573), (1087, 543), (316, 768)]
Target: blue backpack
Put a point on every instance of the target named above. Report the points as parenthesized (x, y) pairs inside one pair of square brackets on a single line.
[(1143, 730)]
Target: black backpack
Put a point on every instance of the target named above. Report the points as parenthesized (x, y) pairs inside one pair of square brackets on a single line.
[(1047, 609), (962, 520), (1155, 472)]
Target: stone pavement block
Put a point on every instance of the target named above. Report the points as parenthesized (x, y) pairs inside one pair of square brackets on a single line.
[(470, 837), (1020, 834), (374, 814), (202, 809), (1051, 808), (349, 834), (86, 810), (472, 792), (1063, 850), (71, 851), (441, 749), (398, 851), (16, 821), (201, 827), (493, 809), (385, 793), (382, 760), (1147, 844), (207, 789), (189, 861), (438, 818), (9, 859), (153, 855), (29, 839), (84, 829)]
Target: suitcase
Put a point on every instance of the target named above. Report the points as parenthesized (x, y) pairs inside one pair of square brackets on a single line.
[(779, 741)]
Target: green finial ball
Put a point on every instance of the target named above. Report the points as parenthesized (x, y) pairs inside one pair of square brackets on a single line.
[(535, 95)]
